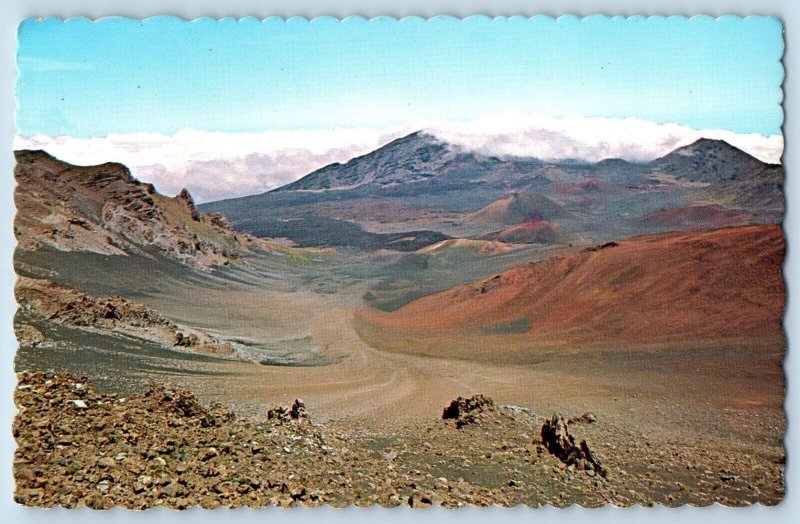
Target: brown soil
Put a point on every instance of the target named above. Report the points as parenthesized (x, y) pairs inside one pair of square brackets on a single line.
[(79, 447), (516, 208), (709, 216), (674, 287), (483, 247)]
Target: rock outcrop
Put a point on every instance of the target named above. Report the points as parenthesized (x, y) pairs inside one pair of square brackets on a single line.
[(104, 209), (188, 202), (28, 335), (47, 301), (467, 411), (557, 439), (77, 446), (294, 413)]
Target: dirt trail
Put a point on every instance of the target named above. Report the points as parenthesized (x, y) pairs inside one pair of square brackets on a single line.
[(731, 390), (679, 394)]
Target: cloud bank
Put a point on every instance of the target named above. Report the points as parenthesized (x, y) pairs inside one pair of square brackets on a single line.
[(215, 165)]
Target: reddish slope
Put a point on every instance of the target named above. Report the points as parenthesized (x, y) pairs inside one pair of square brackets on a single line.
[(709, 216), (658, 288), (532, 232)]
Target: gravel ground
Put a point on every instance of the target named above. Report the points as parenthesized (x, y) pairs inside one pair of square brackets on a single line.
[(79, 447)]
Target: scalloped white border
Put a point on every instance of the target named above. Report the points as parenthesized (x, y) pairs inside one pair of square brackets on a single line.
[(746, 514)]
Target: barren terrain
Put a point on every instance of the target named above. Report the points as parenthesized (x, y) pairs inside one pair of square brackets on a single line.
[(383, 289)]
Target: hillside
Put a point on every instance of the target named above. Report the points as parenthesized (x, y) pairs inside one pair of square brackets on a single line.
[(518, 207), (674, 287), (420, 183), (710, 216), (413, 158), (104, 209), (43, 303), (531, 232), (483, 247), (735, 177), (707, 160)]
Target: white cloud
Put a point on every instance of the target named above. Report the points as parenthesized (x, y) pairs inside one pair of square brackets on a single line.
[(215, 165), (593, 139)]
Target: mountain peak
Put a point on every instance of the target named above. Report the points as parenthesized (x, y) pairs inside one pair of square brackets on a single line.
[(518, 207), (414, 157), (709, 144), (709, 160), (710, 147)]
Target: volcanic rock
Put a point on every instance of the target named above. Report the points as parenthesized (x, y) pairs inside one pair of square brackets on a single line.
[(468, 410), (188, 201), (294, 413), (586, 418), (104, 209), (561, 444)]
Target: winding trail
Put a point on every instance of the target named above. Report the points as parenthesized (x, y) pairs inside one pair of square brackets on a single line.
[(663, 390)]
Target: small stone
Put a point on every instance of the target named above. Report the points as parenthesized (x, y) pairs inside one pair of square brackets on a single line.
[(106, 462), (142, 483), (586, 418), (79, 404), (419, 499), (170, 489)]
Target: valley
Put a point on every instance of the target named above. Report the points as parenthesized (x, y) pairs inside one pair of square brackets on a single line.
[(380, 289)]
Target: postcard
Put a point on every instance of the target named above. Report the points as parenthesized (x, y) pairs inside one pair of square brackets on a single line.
[(418, 262)]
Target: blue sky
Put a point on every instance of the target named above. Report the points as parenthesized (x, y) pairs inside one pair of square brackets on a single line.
[(118, 76)]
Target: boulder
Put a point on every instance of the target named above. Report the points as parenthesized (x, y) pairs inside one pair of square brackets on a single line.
[(586, 418), (184, 405), (557, 439), (294, 413), (467, 411)]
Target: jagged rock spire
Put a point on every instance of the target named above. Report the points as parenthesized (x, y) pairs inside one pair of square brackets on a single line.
[(186, 197)]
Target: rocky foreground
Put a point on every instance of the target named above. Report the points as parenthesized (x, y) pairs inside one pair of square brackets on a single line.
[(81, 447)]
